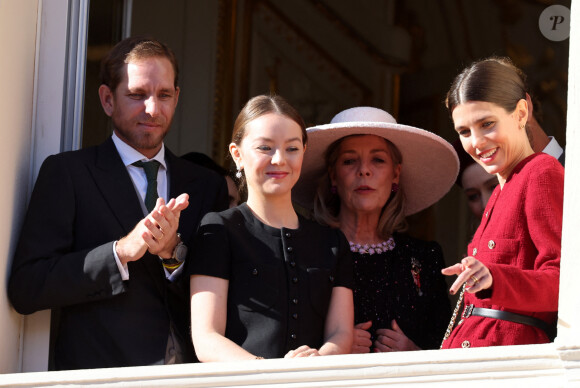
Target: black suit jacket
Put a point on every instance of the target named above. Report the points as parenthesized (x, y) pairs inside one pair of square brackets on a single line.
[(82, 202)]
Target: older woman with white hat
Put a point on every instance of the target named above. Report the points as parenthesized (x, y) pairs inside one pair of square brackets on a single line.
[(364, 173)]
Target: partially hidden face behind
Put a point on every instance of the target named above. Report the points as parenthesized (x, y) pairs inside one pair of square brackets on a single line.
[(495, 138), (478, 186), (270, 154), (363, 174), (143, 104)]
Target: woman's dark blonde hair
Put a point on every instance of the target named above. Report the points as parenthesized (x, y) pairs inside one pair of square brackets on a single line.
[(259, 106), (327, 204)]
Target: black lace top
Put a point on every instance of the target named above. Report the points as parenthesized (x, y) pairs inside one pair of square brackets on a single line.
[(404, 284)]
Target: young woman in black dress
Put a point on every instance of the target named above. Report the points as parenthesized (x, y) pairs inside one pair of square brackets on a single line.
[(266, 282)]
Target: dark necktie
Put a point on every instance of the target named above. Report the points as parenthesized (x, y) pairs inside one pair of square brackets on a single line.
[(151, 168)]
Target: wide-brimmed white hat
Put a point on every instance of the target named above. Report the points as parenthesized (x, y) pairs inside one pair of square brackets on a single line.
[(430, 164)]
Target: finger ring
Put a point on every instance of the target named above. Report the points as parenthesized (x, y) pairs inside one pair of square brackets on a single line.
[(475, 279)]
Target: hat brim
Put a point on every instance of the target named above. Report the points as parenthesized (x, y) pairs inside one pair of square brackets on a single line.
[(429, 169)]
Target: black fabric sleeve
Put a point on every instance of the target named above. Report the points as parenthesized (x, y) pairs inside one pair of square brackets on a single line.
[(344, 267), (212, 256), (47, 271)]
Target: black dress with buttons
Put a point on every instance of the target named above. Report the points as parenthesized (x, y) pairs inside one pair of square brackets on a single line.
[(404, 284), (280, 280)]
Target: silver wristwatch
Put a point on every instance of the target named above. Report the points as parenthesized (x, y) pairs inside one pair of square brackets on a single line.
[(179, 253)]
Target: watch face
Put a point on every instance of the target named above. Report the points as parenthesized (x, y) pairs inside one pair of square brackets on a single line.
[(180, 252)]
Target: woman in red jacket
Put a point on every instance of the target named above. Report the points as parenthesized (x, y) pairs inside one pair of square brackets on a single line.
[(511, 274)]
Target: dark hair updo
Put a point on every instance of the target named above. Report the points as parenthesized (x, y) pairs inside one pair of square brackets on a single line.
[(496, 80)]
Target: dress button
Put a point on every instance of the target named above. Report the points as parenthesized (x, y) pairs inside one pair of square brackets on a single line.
[(474, 251), (331, 278), (486, 214), (292, 264), (288, 235), (491, 244), (295, 300), (295, 316), (294, 279), (289, 249), (254, 271), (465, 344), (293, 336)]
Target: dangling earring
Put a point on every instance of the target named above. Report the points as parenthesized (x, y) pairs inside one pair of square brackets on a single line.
[(394, 188), (239, 173), (333, 189)]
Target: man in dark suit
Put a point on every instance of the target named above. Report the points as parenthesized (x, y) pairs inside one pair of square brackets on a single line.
[(97, 245)]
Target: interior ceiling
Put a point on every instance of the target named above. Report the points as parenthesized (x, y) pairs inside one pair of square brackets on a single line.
[(424, 43)]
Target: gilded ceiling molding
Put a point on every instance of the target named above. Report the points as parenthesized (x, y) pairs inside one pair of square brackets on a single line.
[(277, 23), (351, 33)]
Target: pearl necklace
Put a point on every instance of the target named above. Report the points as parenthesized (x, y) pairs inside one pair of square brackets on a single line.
[(371, 249)]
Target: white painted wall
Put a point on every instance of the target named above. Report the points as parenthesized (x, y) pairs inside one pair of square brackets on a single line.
[(47, 125), (569, 307), (32, 68), (18, 20)]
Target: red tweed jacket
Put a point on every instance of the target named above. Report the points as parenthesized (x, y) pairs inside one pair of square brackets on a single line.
[(519, 241)]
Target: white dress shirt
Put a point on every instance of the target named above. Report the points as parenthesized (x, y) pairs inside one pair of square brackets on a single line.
[(553, 148)]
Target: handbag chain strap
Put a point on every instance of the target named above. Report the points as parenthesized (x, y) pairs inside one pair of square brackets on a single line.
[(454, 316)]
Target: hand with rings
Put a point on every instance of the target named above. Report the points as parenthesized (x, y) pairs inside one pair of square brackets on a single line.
[(302, 351), (470, 271)]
